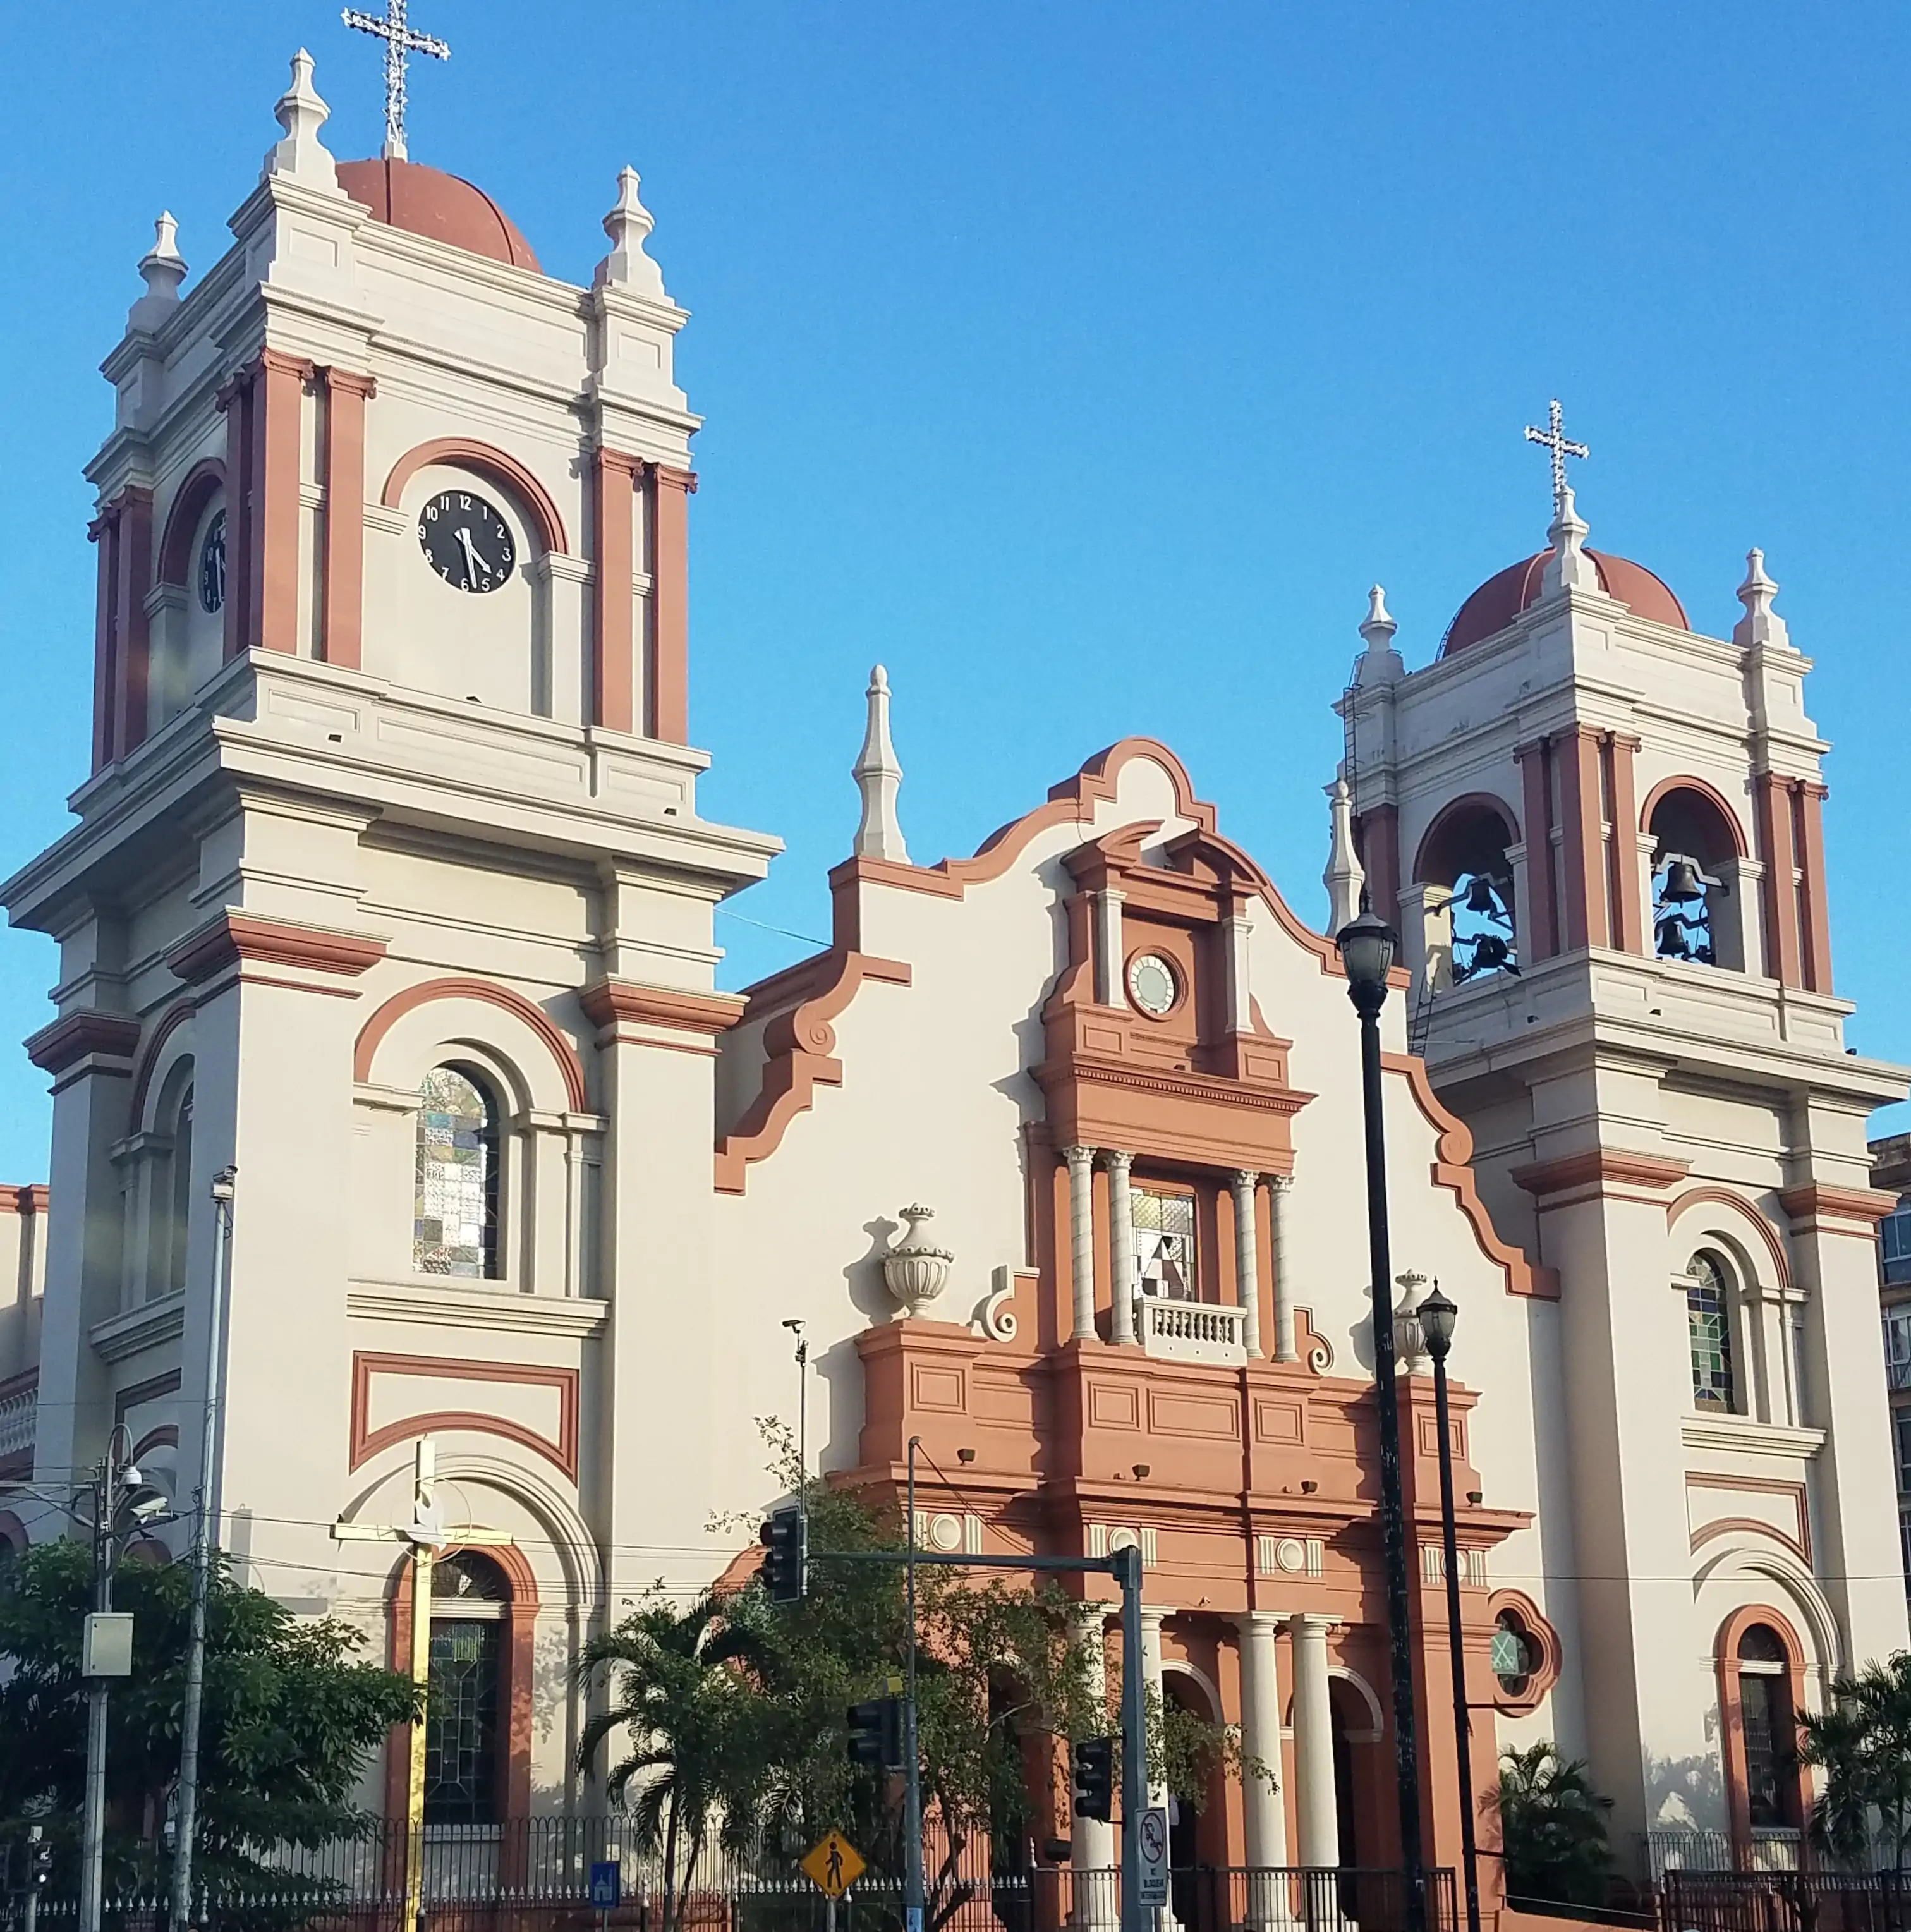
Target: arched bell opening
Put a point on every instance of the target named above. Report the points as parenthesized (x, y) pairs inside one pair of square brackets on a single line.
[(1697, 897), (1465, 873)]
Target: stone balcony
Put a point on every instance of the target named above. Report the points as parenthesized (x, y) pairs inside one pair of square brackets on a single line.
[(19, 1402), (1192, 1331)]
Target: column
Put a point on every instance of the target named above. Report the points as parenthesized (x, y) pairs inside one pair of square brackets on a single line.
[(1582, 817), (1108, 904), (1280, 1186), (1121, 1246), (1264, 1810), (347, 393), (1771, 810), (1081, 1237), (1538, 935), (614, 501), (1091, 1846), (668, 681), (1815, 930), (1151, 1623), (272, 581), (1247, 1260), (1317, 1812)]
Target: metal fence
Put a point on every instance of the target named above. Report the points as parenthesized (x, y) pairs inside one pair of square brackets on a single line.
[(1786, 1901), (1769, 1850), (532, 1875)]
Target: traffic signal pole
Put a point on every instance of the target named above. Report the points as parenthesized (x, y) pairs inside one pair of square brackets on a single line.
[(1125, 1567)]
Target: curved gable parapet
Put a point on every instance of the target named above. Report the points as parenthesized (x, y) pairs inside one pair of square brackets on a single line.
[(1453, 1154), (460, 452)]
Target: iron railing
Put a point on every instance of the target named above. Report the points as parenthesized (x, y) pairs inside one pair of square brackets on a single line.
[(1785, 1901)]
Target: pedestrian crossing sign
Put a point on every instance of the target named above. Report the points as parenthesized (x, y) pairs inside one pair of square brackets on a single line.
[(833, 1866)]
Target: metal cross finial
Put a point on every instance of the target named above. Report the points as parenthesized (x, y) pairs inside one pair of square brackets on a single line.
[(1557, 443), (399, 40)]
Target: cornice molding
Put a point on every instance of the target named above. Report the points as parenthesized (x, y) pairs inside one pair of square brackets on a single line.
[(73, 1037), (243, 938), (1815, 1201), (120, 1336), (1599, 1171), (613, 1001)]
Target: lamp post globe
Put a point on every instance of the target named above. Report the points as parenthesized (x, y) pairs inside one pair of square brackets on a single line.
[(1366, 946), (1437, 1315)]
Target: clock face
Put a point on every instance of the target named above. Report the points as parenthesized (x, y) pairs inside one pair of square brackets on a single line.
[(469, 543), (1152, 985), (212, 565)]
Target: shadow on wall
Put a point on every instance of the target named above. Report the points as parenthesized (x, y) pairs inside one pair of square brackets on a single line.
[(868, 1292), (1685, 1793)]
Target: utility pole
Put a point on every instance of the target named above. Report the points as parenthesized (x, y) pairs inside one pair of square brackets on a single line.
[(912, 1763), (186, 1817)]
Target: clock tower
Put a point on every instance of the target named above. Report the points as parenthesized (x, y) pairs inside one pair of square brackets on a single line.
[(390, 841)]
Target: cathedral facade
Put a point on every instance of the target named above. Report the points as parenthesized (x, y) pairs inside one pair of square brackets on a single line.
[(1055, 1152)]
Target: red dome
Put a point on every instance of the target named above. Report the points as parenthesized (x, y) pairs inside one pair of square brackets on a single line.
[(422, 201), (1502, 597)]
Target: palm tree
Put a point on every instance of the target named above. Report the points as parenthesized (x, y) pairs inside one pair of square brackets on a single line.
[(1861, 1740), (1553, 1827), (676, 1692)]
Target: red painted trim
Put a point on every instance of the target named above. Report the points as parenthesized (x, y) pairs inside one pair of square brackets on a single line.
[(374, 1030), (610, 1001), (459, 452), (245, 938), (71, 1037), (1773, 819), (278, 409), (1546, 1674), (341, 632), (1814, 1201), (1377, 841), (1710, 793), (612, 665), (134, 652), (1794, 1493), (1723, 1197), (365, 1441), (26, 1201), (104, 530), (175, 1017), (202, 483), (1535, 765), (235, 399), (1622, 851), (800, 1044), (1582, 809), (669, 644), (1814, 917), (1601, 1171), (1731, 1726), (1453, 1152), (1454, 808)]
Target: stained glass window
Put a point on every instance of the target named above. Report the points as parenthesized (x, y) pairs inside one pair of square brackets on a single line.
[(461, 1722), (1165, 1243), (1708, 1326), (456, 1230), (1514, 1654)]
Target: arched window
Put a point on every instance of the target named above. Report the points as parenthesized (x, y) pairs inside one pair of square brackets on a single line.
[(1464, 851), (1764, 1713), (1516, 1656), (1695, 856), (464, 1700), (179, 1207), (456, 1228), (1709, 1333)]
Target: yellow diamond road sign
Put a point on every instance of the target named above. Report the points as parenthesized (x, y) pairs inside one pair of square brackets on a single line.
[(833, 1866)]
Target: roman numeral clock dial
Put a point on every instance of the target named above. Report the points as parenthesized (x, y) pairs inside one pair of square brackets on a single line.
[(469, 544)]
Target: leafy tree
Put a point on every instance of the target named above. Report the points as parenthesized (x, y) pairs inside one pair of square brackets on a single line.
[(1552, 1828), (999, 1678), (289, 1718), (1861, 1740), (680, 1706)]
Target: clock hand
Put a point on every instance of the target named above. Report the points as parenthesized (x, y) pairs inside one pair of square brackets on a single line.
[(474, 564)]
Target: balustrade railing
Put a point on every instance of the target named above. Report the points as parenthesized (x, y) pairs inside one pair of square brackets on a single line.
[(1194, 1331), (19, 1405)]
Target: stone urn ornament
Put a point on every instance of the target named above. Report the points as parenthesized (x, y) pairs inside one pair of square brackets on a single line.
[(915, 1271)]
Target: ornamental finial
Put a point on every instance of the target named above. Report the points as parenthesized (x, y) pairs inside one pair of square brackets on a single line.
[(879, 777), (162, 268), (1344, 877), (1761, 624), (627, 266), (299, 154)]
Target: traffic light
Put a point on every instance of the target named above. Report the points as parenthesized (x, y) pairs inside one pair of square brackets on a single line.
[(875, 1733), (1093, 1765), (785, 1538)]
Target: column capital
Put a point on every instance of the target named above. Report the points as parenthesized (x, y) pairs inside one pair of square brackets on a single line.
[(1078, 1156), (1245, 1179), (1115, 1161), (1258, 1621), (1157, 1614), (1279, 1184), (1312, 1623)]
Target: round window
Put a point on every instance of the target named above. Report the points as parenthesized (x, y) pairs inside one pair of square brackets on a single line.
[(1152, 985), (1515, 1655)]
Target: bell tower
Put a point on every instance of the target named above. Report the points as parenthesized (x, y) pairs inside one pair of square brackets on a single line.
[(1600, 833)]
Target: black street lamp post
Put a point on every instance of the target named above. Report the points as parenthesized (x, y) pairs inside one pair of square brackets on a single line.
[(1367, 947), (1437, 1316)]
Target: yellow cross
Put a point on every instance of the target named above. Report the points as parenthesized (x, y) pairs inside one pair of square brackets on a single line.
[(427, 1534)]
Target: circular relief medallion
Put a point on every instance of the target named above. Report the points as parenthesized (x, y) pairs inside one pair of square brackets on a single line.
[(467, 542), (1152, 985)]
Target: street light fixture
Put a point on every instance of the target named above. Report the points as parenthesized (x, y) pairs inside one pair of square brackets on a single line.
[(1367, 946), (1437, 1316)]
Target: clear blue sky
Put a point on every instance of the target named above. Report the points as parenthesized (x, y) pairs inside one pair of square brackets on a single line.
[(1085, 363)]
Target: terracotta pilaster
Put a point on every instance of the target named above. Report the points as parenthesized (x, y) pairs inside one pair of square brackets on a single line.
[(669, 667), (1581, 815), (613, 669), (270, 613), (1815, 933), (1535, 772), (1772, 815), (1621, 849), (341, 636)]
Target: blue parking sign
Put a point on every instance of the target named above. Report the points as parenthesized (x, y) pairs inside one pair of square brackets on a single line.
[(606, 1885)]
